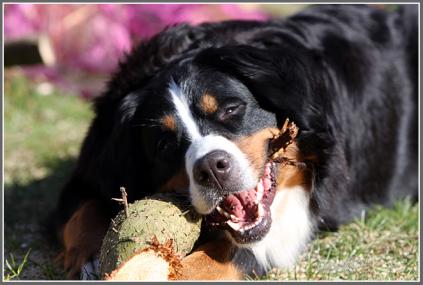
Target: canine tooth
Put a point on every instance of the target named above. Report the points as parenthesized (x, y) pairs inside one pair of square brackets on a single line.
[(261, 211), (260, 191), (234, 218), (267, 170), (233, 225), (241, 231), (223, 212)]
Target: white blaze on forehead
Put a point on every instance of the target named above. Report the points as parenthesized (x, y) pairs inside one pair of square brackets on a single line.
[(202, 145), (183, 111)]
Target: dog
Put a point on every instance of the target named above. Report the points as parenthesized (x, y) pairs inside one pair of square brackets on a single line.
[(192, 111)]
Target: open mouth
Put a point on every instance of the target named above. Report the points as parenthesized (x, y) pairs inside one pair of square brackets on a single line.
[(246, 214)]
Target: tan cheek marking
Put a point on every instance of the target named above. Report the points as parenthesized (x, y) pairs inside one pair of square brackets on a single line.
[(168, 122), (208, 104), (289, 175), (254, 147), (179, 183)]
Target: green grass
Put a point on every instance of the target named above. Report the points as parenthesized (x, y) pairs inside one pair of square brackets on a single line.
[(42, 138), (15, 268), (381, 246)]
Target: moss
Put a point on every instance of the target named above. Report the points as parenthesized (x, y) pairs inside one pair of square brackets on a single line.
[(161, 216)]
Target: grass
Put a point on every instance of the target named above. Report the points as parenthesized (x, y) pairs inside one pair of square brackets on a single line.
[(15, 268), (382, 245), (42, 138)]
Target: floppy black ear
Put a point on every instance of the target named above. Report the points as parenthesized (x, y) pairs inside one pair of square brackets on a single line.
[(108, 159), (280, 79)]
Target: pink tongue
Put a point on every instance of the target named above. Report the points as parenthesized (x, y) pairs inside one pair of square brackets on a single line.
[(247, 198), (241, 205)]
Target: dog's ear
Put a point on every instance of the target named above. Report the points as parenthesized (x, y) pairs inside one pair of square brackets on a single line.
[(280, 80)]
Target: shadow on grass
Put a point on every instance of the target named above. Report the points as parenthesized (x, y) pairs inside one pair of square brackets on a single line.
[(32, 203), (27, 208)]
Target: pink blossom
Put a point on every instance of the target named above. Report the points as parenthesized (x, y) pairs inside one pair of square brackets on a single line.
[(91, 38)]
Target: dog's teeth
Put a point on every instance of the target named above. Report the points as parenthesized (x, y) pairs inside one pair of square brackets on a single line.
[(223, 212), (260, 191), (234, 218), (267, 170), (233, 225), (261, 211), (241, 231)]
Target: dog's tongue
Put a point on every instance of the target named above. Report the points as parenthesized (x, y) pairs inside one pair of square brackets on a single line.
[(242, 205)]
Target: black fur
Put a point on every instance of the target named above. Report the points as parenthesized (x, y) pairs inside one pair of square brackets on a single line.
[(346, 74)]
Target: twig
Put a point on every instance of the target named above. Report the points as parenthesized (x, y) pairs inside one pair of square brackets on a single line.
[(113, 226), (286, 161), (285, 137), (123, 200), (280, 143)]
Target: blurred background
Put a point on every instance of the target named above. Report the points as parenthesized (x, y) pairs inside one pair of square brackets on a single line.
[(76, 46), (57, 58)]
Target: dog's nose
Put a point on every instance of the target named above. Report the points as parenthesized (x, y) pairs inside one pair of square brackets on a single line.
[(213, 170)]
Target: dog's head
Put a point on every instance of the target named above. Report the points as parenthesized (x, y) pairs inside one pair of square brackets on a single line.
[(203, 122), (204, 127)]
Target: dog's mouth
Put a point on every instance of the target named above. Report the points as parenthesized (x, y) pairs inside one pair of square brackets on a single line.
[(246, 214)]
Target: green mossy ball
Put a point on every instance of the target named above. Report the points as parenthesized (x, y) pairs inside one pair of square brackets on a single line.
[(162, 215)]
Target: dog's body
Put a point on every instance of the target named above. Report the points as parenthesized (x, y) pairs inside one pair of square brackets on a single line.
[(192, 110)]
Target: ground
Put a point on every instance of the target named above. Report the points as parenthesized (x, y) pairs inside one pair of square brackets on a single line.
[(43, 132)]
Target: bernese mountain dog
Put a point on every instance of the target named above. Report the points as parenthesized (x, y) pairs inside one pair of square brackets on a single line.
[(192, 111)]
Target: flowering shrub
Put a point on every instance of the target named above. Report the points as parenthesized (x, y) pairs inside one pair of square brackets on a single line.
[(89, 39)]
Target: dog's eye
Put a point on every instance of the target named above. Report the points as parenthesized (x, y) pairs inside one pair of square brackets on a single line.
[(164, 144), (231, 111)]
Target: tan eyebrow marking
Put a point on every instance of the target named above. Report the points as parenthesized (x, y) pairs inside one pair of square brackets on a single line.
[(169, 122), (208, 103)]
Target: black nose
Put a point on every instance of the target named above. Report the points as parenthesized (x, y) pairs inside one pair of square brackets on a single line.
[(213, 170)]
